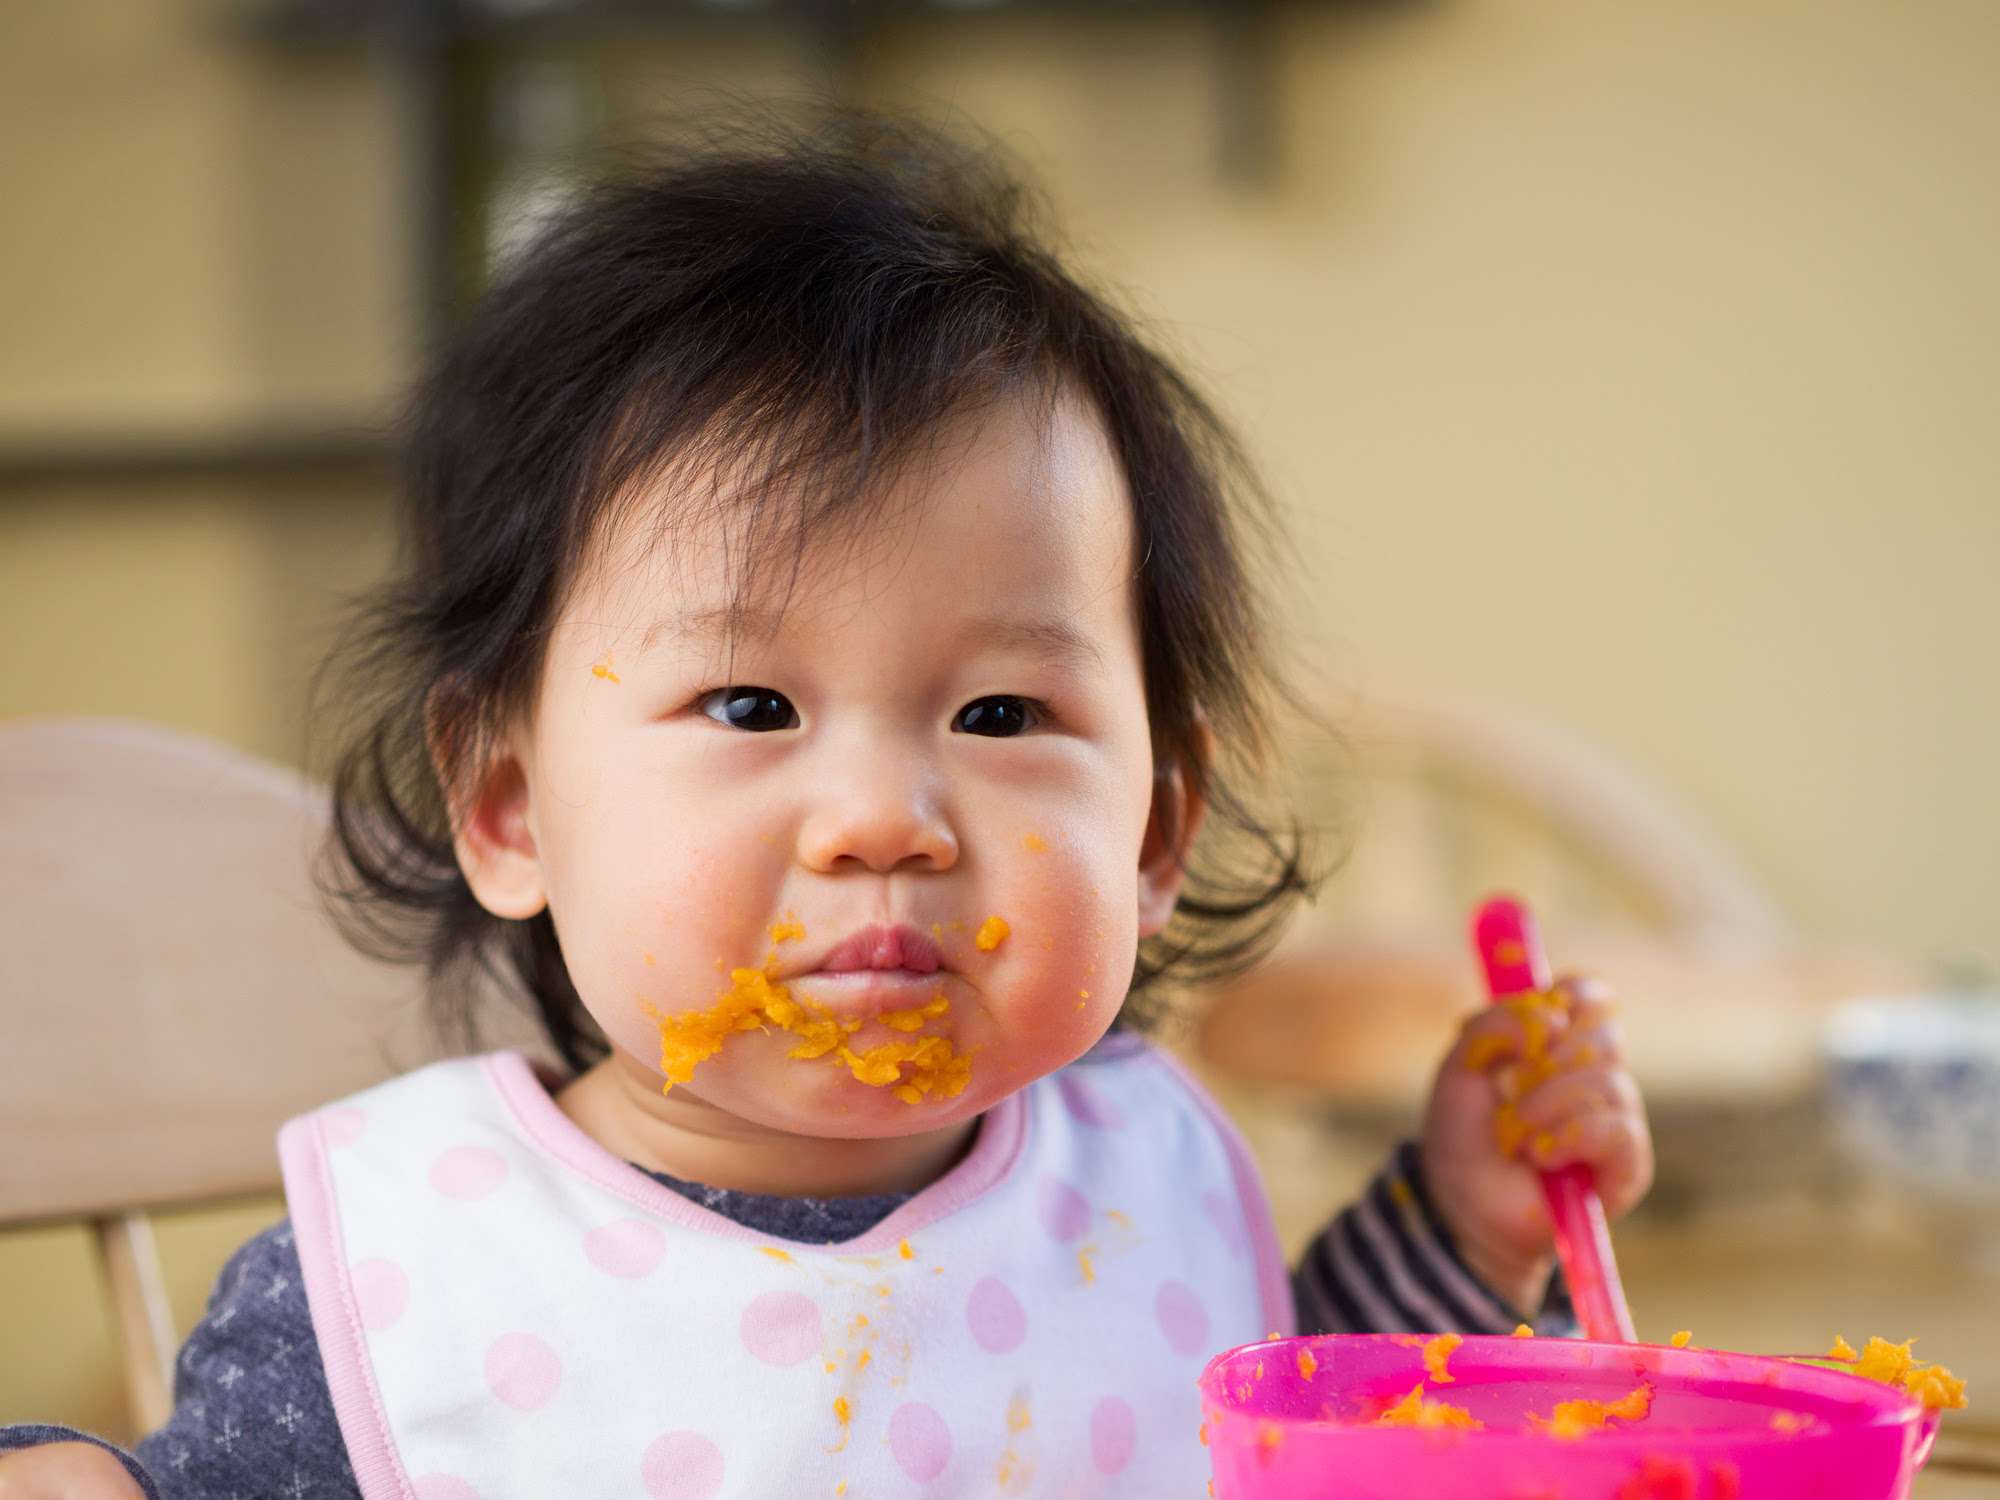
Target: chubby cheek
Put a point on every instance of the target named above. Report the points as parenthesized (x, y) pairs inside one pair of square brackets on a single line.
[(1073, 935), (647, 926)]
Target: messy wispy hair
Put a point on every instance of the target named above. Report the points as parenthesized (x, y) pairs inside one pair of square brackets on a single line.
[(808, 306)]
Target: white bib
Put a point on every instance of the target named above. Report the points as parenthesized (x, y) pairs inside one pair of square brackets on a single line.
[(507, 1309)]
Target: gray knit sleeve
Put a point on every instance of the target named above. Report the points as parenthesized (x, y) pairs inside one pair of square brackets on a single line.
[(1386, 1264), (252, 1412)]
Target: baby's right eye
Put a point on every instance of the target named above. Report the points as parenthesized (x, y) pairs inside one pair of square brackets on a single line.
[(753, 708)]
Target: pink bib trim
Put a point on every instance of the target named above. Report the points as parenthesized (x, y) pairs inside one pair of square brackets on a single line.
[(357, 1403), (1003, 1132), (1274, 1280)]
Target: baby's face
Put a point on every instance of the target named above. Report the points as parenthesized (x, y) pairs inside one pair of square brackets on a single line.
[(945, 723)]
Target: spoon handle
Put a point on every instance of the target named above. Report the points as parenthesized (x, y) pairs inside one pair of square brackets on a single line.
[(1510, 949)]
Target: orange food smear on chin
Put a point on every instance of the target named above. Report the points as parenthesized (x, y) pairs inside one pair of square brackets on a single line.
[(755, 1003)]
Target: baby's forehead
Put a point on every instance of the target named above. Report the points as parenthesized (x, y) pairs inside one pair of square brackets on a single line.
[(716, 549)]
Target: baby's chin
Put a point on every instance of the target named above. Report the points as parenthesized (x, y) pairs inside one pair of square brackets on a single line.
[(835, 1107)]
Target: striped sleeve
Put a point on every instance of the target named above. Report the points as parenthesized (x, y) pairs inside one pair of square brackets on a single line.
[(1386, 1264)]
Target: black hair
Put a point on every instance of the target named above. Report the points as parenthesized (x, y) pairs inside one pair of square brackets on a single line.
[(812, 302)]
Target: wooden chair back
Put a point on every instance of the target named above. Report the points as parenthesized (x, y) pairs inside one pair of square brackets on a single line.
[(171, 991), (1437, 800)]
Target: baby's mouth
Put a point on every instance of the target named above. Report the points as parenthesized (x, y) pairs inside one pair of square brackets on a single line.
[(866, 1005), (881, 950), (876, 970)]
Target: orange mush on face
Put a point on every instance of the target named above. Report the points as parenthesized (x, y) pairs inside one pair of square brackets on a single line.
[(755, 1003)]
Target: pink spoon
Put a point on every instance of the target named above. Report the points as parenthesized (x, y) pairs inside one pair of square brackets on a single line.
[(1510, 947)]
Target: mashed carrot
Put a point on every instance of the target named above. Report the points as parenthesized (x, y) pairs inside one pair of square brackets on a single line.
[(1415, 1411), (1576, 1419), (754, 1003), (992, 933), (1535, 1012), (1436, 1352), (1893, 1364)]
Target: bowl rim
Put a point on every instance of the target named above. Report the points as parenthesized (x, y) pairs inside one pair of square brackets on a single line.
[(1876, 1405)]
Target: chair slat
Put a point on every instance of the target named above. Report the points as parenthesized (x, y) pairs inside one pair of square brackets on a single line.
[(141, 1316)]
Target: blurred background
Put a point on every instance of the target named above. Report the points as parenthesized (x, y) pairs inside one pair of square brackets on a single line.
[(1627, 376)]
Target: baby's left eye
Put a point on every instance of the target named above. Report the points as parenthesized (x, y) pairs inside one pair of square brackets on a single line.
[(999, 717), (757, 709)]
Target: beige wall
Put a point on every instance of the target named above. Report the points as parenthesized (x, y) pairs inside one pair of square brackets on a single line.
[(1639, 361)]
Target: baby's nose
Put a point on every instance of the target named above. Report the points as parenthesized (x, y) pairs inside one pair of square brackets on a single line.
[(881, 817)]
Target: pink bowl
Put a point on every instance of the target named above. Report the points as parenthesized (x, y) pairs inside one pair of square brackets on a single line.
[(1721, 1426)]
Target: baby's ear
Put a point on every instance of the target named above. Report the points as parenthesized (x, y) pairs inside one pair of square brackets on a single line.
[(1178, 808), (494, 838)]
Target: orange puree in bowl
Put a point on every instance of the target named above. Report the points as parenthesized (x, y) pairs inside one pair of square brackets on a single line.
[(754, 1003), (1436, 1352), (1893, 1364), (1575, 1419), (1414, 1411)]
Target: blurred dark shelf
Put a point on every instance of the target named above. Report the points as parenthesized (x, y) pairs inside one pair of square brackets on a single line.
[(160, 458)]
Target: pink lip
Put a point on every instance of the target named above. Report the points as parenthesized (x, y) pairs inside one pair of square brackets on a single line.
[(882, 950)]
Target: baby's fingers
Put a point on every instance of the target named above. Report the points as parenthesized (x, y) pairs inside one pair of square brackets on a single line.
[(1602, 1088), (1592, 1116), (1592, 1040), (1487, 1038)]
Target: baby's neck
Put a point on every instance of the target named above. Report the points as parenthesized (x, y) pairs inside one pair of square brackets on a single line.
[(619, 1105)]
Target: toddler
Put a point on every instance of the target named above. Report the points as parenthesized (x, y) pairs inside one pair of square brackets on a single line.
[(823, 634)]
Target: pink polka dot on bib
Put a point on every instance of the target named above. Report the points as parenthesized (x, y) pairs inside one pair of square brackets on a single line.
[(344, 1126), (381, 1292), (682, 1466), (1088, 1104), (919, 1441), (468, 1172), (782, 1328), (1181, 1316), (625, 1248), (995, 1316), (522, 1371), (1064, 1212), (1114, 1433), (1228, 1222)]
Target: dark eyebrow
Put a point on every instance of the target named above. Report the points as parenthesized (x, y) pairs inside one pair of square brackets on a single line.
[(719, 623), (1051, 639)]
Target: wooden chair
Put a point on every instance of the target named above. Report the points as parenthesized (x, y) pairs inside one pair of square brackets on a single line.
[(1439, 799), (170, 992)]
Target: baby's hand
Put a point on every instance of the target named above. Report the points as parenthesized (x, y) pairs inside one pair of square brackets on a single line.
[(65, 1471), (1481, 1163)]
